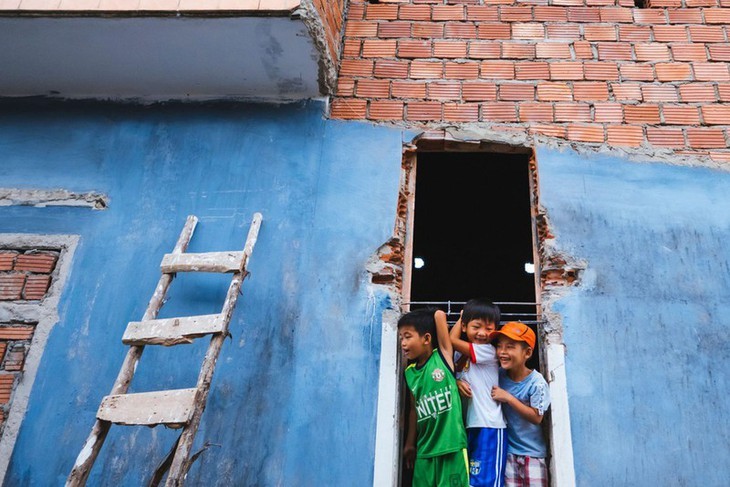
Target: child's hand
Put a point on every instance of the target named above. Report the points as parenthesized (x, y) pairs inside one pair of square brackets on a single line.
[(409, 454), (464, 388), (500, 395)]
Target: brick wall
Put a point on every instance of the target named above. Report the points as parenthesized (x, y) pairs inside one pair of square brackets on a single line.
[(332, 14), (25, 275), (593, 71)]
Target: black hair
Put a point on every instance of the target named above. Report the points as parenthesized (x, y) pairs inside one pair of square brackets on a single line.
[(480, 308), (422, 320)]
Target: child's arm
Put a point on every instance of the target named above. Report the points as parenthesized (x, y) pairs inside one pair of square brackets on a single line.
[(442, 332), (464, 388), (409, 448), (528, 413), (459, 345)]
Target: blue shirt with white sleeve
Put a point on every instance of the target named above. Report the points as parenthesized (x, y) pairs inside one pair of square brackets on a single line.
[(525, 438)]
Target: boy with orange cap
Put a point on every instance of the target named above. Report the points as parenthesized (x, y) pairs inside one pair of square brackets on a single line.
[(525, 396)]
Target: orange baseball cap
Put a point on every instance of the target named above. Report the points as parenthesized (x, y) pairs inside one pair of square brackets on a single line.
[(516, 331)]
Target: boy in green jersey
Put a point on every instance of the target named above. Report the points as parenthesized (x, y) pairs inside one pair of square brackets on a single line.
[(435, 415)]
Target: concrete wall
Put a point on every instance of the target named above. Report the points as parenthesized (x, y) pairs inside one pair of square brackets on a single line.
[(646, 330), (294, 394)]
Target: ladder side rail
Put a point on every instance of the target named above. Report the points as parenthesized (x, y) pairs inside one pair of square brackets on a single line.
[(86, 458), (180, 462)]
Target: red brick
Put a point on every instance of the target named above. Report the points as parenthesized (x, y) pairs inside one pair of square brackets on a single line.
[(426, 69), (536, 112), (723, 90), (672, 71), (423, 110), (498, 69), (550, 14), (586, 133), (11, 286), (717, 15), (356, 67), (601, 71), (7, 259), (15, 358), (448, 12), (583, 14), (15, 333), (499, 112), (446, 90), (373, 88), (670, 33), (356, 11), (531, 71), (549, 130), (348, 108), (614, 51), (706, 33), (680, 115), (386, 110), (694, 92), (409, 89), (600, 32), (665, 137), (716, 114), (563, 31), (652, 52), (590, 91), (494, 31), (360, 28), (718, 52), (484, 50), (427, 30), (381, 11), (516, 92), (570, 70), (378, 48), (449, 49), (616, 14), (684, 16), (6, 387), (553, 50), (605, 3), (701, 3), (626, 91), (414, 12), (704, 72), (706, 138), (35, 262), (394, 29), (351, 47), (460, 30), (3, 347), (689, 52), (583, 50), (479, 91), (608, 112), (515, 14), (664, 3), (649, 16), (637, 72), (659, 93), (391, 69), (465, 70), (528, 31), (627, 135), (513, 50), (635, 33), (554, 92), (345, 86), (482, 13), (414, 49), (461, 112), (36, 287), (568, 3), (572, 112)]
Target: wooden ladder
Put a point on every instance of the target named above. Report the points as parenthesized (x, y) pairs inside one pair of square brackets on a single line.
[(181, 408)]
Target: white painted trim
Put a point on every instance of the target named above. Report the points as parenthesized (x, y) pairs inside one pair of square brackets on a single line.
[(45, 313), (562, 468), (387, 448)]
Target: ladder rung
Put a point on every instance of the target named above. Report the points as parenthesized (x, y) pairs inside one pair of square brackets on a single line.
[(171, 331), (205, 262), (173, 408)]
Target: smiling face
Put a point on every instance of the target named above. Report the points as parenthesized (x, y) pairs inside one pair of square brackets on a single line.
[(415, 347), (478, 330), (512, 354)]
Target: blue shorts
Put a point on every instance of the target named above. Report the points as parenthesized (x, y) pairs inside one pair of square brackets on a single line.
[(487, 456)]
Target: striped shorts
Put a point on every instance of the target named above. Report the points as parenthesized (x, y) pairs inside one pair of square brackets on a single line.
[(524, 471)]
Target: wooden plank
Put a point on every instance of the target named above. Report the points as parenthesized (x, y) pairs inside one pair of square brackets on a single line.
[(172, 408), (205, 262), (171, 331)]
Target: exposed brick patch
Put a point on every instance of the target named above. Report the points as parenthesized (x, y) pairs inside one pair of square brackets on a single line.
[(15, 339), (25, 274)]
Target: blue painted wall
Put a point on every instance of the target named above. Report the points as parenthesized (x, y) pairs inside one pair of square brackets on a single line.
[(647, 328), (294, 394)]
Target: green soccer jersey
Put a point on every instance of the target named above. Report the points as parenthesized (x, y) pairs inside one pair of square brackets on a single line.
[(438, 407)]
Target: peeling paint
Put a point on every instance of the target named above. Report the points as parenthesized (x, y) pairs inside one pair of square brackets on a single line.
[(54, 197)]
